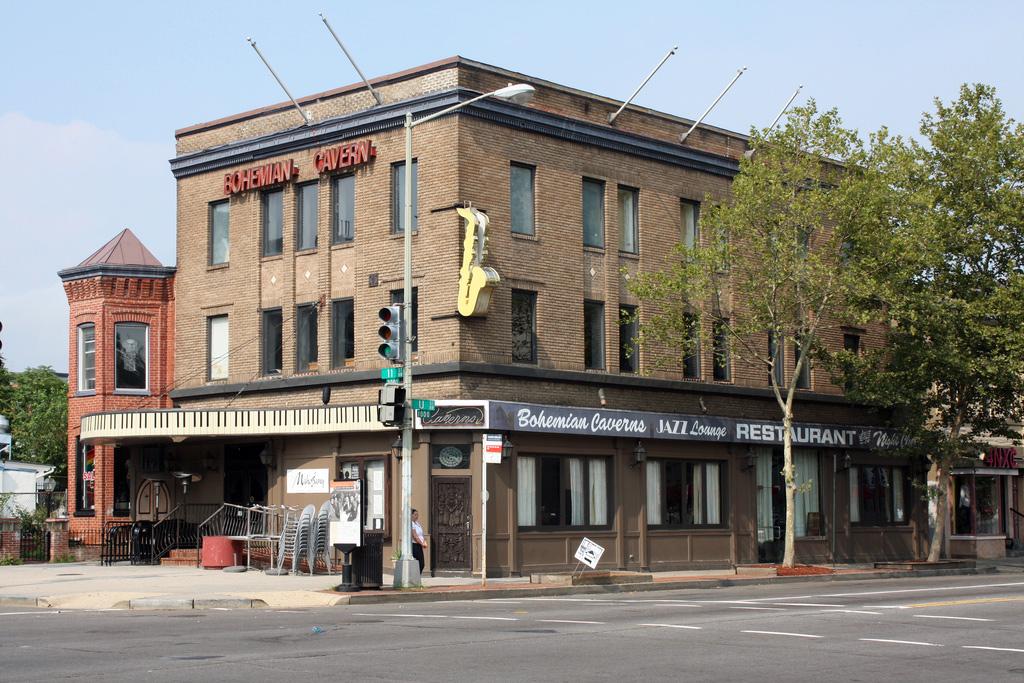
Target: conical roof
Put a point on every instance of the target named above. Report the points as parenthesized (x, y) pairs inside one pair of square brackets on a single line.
[(124, 250)]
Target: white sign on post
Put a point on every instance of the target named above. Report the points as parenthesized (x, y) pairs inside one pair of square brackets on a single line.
[(308, 481), (492, 448), (589, 553)]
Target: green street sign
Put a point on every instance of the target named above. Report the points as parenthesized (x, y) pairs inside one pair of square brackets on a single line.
[(387, 374), (425, 405)]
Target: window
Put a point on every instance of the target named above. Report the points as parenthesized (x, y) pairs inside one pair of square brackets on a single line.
[(373, 474), (684, 493), (777, 353), (721, 351), (398, 297), (521, 198), (524, 326), (628, 219), (85, 478), (628, 350), (398, 197), (878, 495), (558, 492), (803, 380), (217, 346), (807, 477), (593, 213), (593, 335), (691, 359), (343, 209), (271, 341), (305, 338), (131, 351), (977, 504), (218, 232), (87, 357), (851, 343), (343, 338), (122, 483), (306, 215), (690, 213), (273, 222)]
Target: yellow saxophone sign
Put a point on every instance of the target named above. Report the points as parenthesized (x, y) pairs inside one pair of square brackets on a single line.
[(475, 281)]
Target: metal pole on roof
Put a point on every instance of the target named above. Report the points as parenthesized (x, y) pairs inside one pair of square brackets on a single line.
[(707, 111), (369, 87), (612, 117), (783, 111), (273, 73)]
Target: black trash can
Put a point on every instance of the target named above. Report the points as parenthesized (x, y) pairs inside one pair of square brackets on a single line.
[(368, 561), (142, 543)]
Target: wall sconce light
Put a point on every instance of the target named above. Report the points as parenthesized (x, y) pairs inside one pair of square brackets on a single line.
[(639, 454), (749, 460), (267, 457), (506, 448), (396, 448)]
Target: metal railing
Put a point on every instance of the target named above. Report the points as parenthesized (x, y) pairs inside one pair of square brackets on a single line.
[(117, 542), (259, 526), (178, 530)]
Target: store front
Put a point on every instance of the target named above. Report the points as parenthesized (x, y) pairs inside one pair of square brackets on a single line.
[(983, 505)]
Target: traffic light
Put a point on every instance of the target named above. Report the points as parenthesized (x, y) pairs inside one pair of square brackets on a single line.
[(390, 333), (392, 404)]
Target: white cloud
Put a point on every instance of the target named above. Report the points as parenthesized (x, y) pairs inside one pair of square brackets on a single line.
[(65, 190)]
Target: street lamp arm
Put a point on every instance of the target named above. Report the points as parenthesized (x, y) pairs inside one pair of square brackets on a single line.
[(509, 92)]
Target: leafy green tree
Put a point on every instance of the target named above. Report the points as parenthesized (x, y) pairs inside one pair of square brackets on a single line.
[(36, 403), (952, 285), (771, 269)]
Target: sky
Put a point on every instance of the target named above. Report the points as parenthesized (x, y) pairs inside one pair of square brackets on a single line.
[(91, 93)]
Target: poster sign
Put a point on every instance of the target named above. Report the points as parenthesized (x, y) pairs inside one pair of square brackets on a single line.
[(454, 414), (346, 524), (492, 448), (589, 553), (308, 481)]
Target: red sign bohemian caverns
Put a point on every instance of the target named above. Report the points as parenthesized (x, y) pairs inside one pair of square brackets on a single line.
[(260, 176), (344, 156)]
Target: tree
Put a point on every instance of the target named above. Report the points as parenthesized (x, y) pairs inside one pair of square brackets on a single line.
[(953, 370), (36, 403), (770, 269)]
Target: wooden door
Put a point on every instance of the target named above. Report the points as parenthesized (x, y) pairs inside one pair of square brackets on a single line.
[(153, 501), (451, 523)]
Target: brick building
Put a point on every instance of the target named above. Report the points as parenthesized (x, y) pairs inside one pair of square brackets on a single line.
[(289, 240)]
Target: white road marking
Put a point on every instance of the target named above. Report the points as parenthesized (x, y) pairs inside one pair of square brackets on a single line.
[(490, 618), (690, 628), (604, 602), (12, 614), (852, 611), (288, 611), (569, 621), (663, 603), (783, 633), (773, 609), (937, 616), (997, 649), (415, 616), (498, 602), (898, 642), (903, 590), (728, 602), (671, 604), (804, 604)]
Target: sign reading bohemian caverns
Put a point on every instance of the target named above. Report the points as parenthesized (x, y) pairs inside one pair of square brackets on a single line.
[(339, 158), (526, 417)]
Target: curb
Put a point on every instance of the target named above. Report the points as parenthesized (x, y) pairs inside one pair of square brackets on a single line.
[(191, 603)]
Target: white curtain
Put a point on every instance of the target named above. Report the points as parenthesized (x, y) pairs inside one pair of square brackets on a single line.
[(219, 347), (697, 485), (714, 503), (897, 495), (576, 492), (653, 492), (598, 491), (854, 495), (527, 491), (765, 521), (806, 480)]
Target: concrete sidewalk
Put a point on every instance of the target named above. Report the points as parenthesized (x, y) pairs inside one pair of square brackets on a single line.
[(91, 586)]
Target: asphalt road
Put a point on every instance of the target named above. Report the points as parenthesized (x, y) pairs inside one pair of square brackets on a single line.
[(938, 629)]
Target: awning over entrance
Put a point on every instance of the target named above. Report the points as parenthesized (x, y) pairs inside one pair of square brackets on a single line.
[(118, 427)]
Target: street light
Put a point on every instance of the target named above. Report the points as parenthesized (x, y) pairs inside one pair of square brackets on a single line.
[(407, 570)]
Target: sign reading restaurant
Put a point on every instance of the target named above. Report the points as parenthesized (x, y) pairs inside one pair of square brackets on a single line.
[(526, 417), (349, 155)]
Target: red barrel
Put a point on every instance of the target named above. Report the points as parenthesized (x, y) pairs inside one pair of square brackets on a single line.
[(221, 551)]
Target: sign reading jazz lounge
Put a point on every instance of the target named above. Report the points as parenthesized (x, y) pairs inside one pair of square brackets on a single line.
[(527, 417)]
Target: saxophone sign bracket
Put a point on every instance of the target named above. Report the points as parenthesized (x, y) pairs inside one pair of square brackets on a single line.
[(476, 281)]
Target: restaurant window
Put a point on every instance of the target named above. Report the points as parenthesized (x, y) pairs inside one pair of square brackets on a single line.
[(85, 478), (524, 326), (691, 355), (720, 360), (684, 493), (343, 338), (87, 357), (373, 474), (131, 352), (628, 219), (521, 198), (690, 214), (343, 209), (219, 235), (271, 341), (398, 197), (305, 338), (559, 492), (593, 335), (628, 347), (777, 353), (217, 336), (878, 495), (306, 212), (398, 297), (273, 222), (807, 479), (977, 505), (593, 213)]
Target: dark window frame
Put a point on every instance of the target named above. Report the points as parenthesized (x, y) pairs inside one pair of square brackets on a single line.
[(300, 222), (265, 249), (721, 362), (803, 380), (117, 380), (81, 510), (397, 298), (590, 305), (209, 346), (629, 354), (600, 184), (695, 206), (533, 199), (530, 296), (211, 232), (564, 501), (264, 350), (723, 494), (871, 517), (398, 202), (337, 235), (692, 367), (80, 380), (778, 352), (313, 343), (342, 360), (635, 192)]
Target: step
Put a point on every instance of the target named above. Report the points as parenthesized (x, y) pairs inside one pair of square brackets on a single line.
[(177, 562), (184, 554)]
